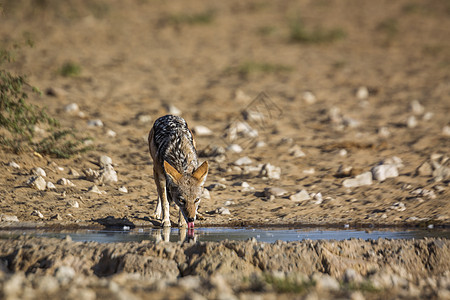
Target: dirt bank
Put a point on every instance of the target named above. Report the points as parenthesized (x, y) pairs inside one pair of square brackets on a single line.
[(36, 268)]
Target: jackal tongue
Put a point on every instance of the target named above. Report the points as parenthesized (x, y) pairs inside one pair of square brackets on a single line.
[(191, 225)]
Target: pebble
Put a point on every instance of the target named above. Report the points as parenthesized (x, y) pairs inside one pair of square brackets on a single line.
[(96, 190), (327, 283), (270, 171), (342, 152), (37, 213), (243, 161), (14, 165), (229, 202), (300, 196), (253, 116), (394, 160), (111, 133), (235, 148), (95, 123), (309, 171), (424, 192), (398, 206), (173, 110), (362, 93), (223, 211), (144, 119), (105, 161), (74, 172), (39, 172), (344, 171), (259, 144), (216, 187), (64, 274), (318, 197), (206, 194), (417, 108), (360, 180), (36, 182), (50, 185), (9, 218), (71, 108), (201, 130), (428, 116), (411, 122), (64, 181), (73, 203), (351, 276), (381, 172), (240, 129), (446, 130), (123, 189), (274, 191), (309, 97), (296, 151), (56, 217), (384, 132)]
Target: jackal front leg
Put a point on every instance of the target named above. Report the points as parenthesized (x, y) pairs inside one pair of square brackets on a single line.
[(163, 203)]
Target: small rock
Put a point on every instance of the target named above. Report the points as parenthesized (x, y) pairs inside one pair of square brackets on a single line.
[(318, 198), (50, 185), (144, 119), (95, 123), (425, 193), (270, 171), (360, 180), (240, 129), (327, 283), (384, 132), (201, 130), (73, 172), (235, 148), (123, 189), (342, 152), (228, 203), (37, 182), (108, 175), (55, 92), (216, 187), (344, 171), (274, 191), (9, 218), (362, 93), (91, 175), (14, 165), (73, 203), (381, 172), (56, 217), (173, 110), (394, 160), (296, 151), (446, 130), (309, 97), (300, 196), (223, 211), (71, 108), (398, 206), (351, 276), (64, 274), (64, 181), (411, 122), (259, 144), (96, 190), (37, 213), (111, 133), (309, 171), (253, 116), (424, 169), (206, 194), (416, 107), (105, 161), (428, 116), (243, 161), (38, 171)]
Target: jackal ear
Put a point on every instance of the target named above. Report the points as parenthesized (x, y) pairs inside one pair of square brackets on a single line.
[(201, 172), (172, 172)]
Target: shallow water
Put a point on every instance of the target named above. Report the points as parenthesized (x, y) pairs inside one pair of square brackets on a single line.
[(218, 234)]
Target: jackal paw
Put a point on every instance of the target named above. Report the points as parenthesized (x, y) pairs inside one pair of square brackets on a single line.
[(182, 224), (156, 216), (165, 223)]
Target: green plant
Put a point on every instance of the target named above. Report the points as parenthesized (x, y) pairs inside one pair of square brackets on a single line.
[(70, 69), (288, 284), (19, 119), (300, 34)]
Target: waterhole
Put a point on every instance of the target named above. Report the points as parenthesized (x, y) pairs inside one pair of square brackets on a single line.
[(219, 234)]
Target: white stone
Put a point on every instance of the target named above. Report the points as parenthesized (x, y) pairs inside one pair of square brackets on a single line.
[(105, 160), (14, 165), (342, 152), (9, 218), (95, 123), (416, 107), (362, 93), (123, 189), (309, 171), (39, 172), (428, 116), (228, 203), (96, 190), (384, 132), (274, 191), (64, 181), (318, 197), (381, 172), (37, 182), (223, 211), (73, 203), (74, 172), (72, 107), (411, 122), (394, 160), (253, 116), (50, 185), (446, 130), (243, 161), (173, 110), (144, 119), (235, 148), (201, 130), (111, 133), (296, 151), (398, 206), (300, 196), (37, 213), (206, 194), (309, 97), (270, 171), (240, 129), (259, 144), (360, 180), (216, 187)]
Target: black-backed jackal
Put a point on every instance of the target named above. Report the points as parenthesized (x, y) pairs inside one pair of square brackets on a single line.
[(177, 175)]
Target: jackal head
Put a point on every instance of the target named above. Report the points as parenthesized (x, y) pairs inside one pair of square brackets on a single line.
[(186, 189)]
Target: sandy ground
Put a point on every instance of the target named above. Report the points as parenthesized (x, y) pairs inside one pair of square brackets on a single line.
[(379, 92)]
